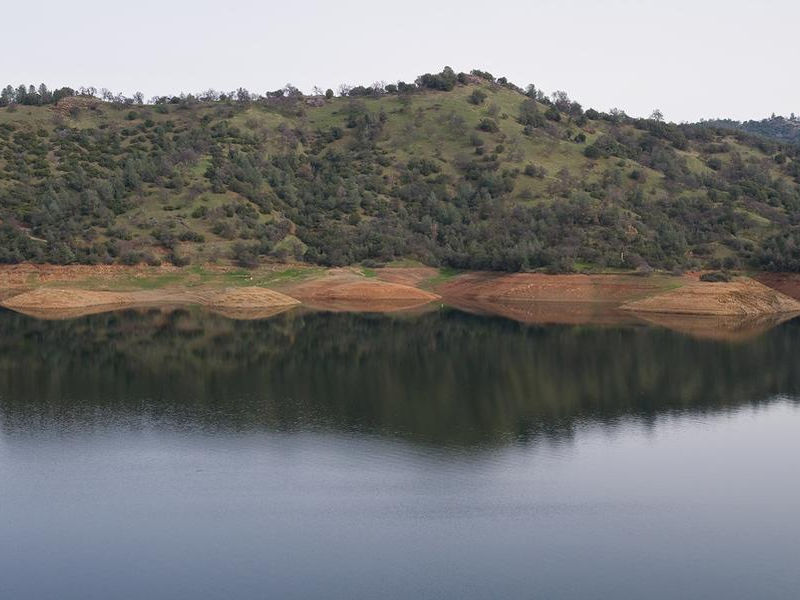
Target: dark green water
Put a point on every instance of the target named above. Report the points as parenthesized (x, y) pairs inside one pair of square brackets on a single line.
[(316, 455)]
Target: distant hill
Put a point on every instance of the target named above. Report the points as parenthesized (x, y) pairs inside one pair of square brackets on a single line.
[(455, 169), (778, 128)]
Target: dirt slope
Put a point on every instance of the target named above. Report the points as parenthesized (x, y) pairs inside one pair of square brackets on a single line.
[(743, 296), (28, 275), (63, 303), (344, 289), (248, 297), (44, 298), (540, 287), (785, 283)]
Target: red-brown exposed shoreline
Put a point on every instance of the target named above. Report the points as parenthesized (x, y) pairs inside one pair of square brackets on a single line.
[(526, 297)]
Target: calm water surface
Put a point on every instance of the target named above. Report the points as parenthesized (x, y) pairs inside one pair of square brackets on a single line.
[(314, 455)]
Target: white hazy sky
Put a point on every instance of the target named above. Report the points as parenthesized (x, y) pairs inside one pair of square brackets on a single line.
[(691, 59)]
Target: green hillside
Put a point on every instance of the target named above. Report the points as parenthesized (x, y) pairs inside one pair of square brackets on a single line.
[(462, 171)]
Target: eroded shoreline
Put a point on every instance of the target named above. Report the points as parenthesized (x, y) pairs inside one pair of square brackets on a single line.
[(678, 302)]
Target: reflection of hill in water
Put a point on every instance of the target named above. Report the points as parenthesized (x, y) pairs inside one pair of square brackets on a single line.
[(722, 328), (442, 377)]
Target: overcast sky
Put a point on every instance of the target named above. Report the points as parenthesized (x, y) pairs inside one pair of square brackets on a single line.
[(691, 59)]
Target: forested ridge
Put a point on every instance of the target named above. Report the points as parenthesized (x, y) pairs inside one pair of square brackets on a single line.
[(462, 170), (783, 129)]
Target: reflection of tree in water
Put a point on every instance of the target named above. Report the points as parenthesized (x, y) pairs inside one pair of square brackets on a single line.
[(444, 377)]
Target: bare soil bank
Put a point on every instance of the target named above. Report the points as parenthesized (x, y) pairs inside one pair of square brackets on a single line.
[(677, 295), (63, 303), (57, 292), (350, 290), (742, 297), (27, 275), (539, 287), (785, 283), (730, 312)]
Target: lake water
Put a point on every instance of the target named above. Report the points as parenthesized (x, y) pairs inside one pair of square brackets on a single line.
[(146, 454)]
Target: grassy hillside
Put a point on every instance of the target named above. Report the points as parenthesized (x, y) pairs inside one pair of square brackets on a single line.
[(477, 174)]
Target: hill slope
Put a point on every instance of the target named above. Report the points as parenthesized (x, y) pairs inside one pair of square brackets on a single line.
[(461, 171), (776, 127)]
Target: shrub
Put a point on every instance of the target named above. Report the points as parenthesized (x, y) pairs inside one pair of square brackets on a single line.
[(191, 236), (130, 258), (476, 140), (245, 255), (151, 259), (424, 166), (592, 152), (177, 260), (372, 264), (488, 125), (482, 74), (716, 277), (477, 97), (537, 171), (553, 114), (529, 114), (445, 81), (730, 262), (290, 247)]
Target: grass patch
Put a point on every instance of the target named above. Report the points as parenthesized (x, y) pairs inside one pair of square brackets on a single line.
[(125, 281), (262, 278), (445, 274)]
